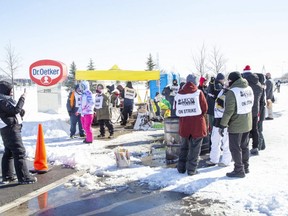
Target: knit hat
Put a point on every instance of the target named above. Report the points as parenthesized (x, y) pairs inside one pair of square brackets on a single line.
[(201, 81), (247, 69), (5, 87), (233, 76), (191, 78), (220, 76)]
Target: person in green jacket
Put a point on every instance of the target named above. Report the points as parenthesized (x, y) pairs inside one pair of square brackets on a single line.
[(238, 118)]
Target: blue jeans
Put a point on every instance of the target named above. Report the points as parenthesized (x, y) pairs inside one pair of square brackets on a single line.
[(73, 122)]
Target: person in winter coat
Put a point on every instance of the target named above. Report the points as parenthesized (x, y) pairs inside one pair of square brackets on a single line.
[(262, 104), (217, 141), (202, 85), (214, 87), (254, 83), (11, 113), (269, 96), (103, 112), (237, 117), (191, 108), (174, 88), (86, 110), (72, 105), (128, 93)]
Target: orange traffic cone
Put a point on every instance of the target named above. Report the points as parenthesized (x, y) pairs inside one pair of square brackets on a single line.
[(40, 160), (42, 200)]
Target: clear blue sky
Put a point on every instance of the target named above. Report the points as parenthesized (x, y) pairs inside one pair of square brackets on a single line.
[(124, 32)]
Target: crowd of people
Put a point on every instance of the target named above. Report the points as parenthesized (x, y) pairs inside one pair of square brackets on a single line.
[(230, 112), (84, 108)]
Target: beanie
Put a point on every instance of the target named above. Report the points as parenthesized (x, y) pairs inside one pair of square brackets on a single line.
[(201, 81), (220, 76), (5, 87), (233, 76), (247, 69), (191, 78)]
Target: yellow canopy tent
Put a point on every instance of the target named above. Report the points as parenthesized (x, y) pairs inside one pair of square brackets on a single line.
[(117, 74)]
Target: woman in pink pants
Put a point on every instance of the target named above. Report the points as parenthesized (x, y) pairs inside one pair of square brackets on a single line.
[(86, 110)]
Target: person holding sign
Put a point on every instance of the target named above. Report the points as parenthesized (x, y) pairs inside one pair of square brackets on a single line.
[(129, 93), (103, 112), (237, 117), (191, 108)]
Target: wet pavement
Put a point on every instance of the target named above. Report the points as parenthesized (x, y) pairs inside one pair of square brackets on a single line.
[(50, 197)]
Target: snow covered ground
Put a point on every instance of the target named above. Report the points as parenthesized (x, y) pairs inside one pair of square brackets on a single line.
[(264, 191)]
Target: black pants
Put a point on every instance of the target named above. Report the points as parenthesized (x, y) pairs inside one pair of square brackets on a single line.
[(127, 111), (189, 154), (261, 144), (254, 132), (14, 150), (108, 124), (238, 145)]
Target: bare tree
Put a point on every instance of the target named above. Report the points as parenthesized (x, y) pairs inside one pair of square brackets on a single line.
[(200, 60), (11, 62), (216, 61)]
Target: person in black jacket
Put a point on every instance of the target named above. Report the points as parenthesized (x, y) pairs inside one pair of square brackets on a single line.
[(214, 87), (128, 93), (254, 83), (261, 145), (11, 114)]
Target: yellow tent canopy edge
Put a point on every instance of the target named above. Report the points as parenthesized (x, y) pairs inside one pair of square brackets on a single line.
[(117, 75)]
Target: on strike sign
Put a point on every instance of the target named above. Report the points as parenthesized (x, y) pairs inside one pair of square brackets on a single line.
[(47, 72)]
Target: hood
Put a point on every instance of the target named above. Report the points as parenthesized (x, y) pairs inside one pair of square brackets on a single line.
[(241, 83), (251, 78), (189, 87), (129, 84), (84, 85), (5, 87)]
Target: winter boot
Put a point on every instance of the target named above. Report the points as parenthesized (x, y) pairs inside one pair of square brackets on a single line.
[(254, 151), (234, 174)]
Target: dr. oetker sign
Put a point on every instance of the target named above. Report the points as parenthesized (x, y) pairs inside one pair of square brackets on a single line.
[(47, 72)]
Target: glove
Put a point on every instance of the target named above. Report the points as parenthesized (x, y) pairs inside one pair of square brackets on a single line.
[(220, 102), (221, 130), (22, 112), (70, 113)]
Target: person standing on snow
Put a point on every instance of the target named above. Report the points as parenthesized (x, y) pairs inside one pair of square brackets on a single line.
[(128, 93), (254, 83), (269, 96), (219, 142), (191, 108), (214, 87), (86, 110), (237, 117), (261, 145), (103, 112), (174, 88), (11, 113), (72, 105)]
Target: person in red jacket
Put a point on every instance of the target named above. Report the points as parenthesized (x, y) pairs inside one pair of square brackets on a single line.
[(191, 108)]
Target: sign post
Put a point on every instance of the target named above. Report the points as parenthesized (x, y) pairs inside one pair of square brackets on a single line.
[(48, 75)]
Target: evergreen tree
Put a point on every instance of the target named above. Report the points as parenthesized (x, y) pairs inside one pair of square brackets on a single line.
[(70, 81), (90, 65), (150, 66), (150, 63)]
